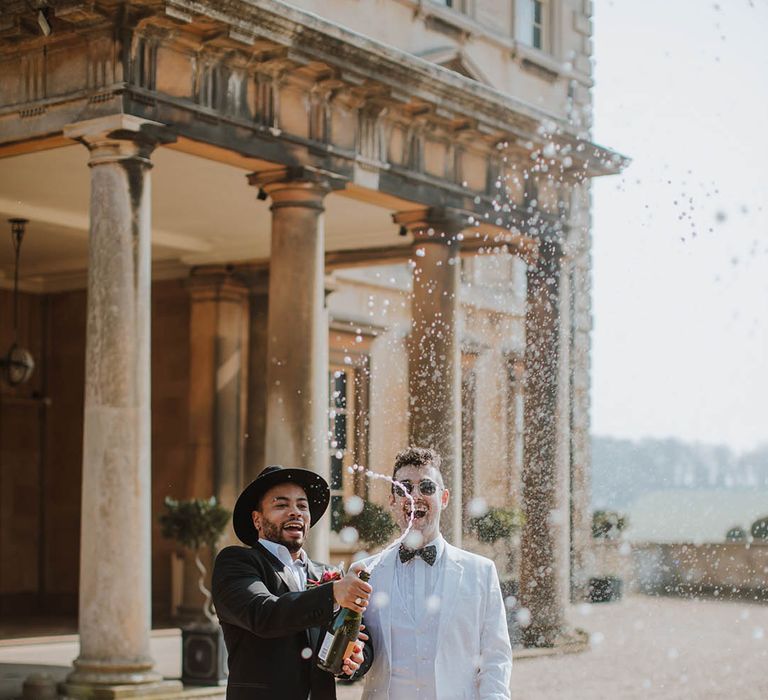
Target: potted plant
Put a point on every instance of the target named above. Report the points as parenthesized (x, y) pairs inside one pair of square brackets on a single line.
[(496, 524), (606, 525), (374, 524), (736, 534), (501, 524), (194, 524), (759, 529)]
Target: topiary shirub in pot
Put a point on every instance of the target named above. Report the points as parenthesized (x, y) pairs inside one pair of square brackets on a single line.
[(608, 524), (497, 524), (759, 529), (374, 525), (195, 523)]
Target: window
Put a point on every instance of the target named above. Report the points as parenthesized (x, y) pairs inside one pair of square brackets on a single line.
[(531, 23), (338, 430), (538, 24), (515, 424), (348, 387)]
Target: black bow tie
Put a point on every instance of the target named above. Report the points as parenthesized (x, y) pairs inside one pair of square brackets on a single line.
[(428, 553)]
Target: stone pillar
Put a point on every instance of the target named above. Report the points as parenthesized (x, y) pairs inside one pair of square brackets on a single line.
[(434, 357), (218, 361), (544, 588), (218, 328), (582, 565), (297, 328), (256, 413), (115, 602)]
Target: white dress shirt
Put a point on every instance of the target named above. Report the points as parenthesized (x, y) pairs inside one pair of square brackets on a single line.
[(295, 567), (416, 592), (417, 580)]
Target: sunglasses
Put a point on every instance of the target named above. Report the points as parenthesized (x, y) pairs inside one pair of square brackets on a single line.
[(426, 487)]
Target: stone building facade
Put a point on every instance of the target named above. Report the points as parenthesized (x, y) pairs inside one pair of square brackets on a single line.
[(250, 221)]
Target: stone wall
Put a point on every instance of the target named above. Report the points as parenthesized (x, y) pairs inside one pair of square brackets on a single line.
[(487, 41), (41, 447), (723, 569), (21, 460), (170, 419)]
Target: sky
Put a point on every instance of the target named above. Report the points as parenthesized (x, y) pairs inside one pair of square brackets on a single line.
[(680, 256)]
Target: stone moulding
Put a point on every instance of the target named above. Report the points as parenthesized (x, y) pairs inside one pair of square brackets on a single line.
[(307, 40), (301, 92)]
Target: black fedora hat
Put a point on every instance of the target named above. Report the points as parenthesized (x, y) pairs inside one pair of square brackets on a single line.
[(317, 490)]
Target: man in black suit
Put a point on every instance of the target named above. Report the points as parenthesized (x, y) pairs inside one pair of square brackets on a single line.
[(270, 620)]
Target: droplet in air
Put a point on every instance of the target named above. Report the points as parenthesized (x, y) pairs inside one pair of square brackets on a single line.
[(414, 540), (523, 617), (380, 599), (353, 505), (477, 507), (349, 535)]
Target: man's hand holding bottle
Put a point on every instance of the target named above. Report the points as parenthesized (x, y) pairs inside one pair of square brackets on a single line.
[(352, 592)]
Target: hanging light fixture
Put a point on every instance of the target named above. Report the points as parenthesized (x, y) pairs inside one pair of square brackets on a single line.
[(18, 364)]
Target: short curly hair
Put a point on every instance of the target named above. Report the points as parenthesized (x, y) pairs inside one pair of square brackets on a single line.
[(418, 457)]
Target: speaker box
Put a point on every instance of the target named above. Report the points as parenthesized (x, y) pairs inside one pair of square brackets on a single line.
[(203, 656)]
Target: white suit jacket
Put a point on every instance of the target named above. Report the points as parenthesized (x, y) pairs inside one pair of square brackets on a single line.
[(474, 657)]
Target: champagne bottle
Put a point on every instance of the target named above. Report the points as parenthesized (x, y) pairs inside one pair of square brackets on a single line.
[(340, 638)]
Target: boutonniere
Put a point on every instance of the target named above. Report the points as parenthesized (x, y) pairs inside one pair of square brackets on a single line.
[(327, 577)]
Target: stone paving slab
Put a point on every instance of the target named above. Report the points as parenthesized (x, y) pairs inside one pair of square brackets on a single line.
[(653, 648), (649, 648), (658, 648)]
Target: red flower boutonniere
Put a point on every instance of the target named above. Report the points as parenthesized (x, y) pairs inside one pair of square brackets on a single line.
[(327, 577)]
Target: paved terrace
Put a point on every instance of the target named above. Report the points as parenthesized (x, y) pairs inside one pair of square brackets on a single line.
[(641, 648)]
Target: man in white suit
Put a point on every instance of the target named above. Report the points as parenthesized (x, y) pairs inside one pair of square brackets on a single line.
[(436, 616)]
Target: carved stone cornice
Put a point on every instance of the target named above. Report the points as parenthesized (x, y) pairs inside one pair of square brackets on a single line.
[(274, 38)]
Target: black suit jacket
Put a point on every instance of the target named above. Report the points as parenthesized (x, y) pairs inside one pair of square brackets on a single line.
[(267, 627)]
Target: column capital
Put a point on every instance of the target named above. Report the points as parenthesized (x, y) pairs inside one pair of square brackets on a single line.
[(216, 283), (296, 186), (119, 137), (438, 224)]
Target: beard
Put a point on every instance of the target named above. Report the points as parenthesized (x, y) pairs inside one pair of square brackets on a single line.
[(274, 533)]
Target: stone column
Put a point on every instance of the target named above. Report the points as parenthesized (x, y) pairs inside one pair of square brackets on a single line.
[(218, 328), (218, 362), (297, 328), (434, 357), (582, 565), (256, 413), (544, 588), (115, 601)]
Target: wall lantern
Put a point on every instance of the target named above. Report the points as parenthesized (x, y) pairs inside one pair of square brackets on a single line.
[(17, 365)]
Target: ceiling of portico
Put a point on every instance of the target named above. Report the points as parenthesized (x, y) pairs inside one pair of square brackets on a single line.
[(203, 211)]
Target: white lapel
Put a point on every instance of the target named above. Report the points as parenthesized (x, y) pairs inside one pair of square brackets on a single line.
[(383, 580), (452, 573)]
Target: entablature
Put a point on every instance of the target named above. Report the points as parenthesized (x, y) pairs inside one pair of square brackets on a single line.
[(268, 81)]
